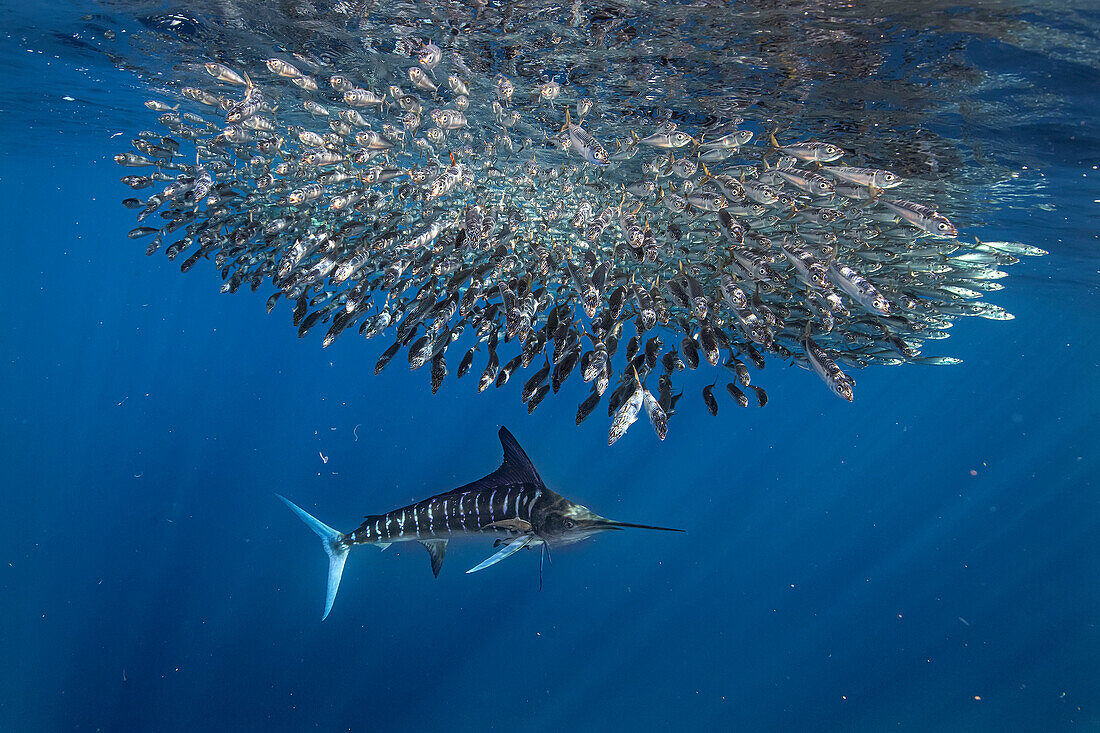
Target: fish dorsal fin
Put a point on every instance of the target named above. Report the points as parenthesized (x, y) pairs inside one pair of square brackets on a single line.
[(437, 549), (516, 469)]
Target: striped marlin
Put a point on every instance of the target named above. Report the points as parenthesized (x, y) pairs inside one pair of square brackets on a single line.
[(512, 503)]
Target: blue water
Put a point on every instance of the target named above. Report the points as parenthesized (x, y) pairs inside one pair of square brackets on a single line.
[(922, 559)]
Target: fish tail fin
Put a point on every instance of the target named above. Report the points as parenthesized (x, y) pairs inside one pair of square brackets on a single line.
[(774, 145), (334, 545)]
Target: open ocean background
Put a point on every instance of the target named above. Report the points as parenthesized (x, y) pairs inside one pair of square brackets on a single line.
[(922, 559)]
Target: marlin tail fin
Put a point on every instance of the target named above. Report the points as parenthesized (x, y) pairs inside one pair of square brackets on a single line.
[(335, 548)]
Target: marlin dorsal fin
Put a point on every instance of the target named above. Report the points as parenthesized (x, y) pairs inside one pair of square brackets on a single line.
[(516, 469), (516, 463)]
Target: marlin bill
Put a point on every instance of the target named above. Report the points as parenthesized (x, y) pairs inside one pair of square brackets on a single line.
[(511, 504)]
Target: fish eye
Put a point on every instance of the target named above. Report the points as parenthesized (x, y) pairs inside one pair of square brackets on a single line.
[(569, 524)]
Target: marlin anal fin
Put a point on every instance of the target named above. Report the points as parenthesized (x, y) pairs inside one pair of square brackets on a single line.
[(334, 545), (437, 549), (511, 548)]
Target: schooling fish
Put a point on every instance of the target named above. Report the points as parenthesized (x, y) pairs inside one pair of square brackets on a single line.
[(511, 504), (428, 200)]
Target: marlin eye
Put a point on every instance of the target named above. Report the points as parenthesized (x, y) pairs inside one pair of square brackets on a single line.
[(568, 524)]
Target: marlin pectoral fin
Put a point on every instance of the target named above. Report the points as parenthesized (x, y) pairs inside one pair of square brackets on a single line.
[(515, 524), (436, 549), (512, 547)]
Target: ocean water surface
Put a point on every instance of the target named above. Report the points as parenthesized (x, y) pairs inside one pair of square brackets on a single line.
[(923, 558)]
